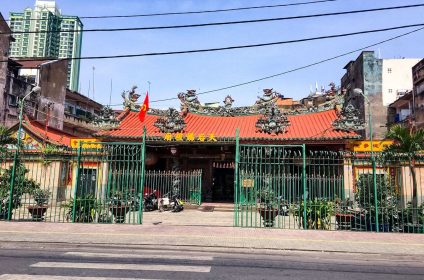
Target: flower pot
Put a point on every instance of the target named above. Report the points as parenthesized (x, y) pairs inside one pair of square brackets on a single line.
[(344, 221), (37, 212), (119, 212), (268, 215)]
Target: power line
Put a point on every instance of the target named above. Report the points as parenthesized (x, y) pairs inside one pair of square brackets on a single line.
[(219, 23), (201, 12), (291, 70), (296, 69), (233, 47)]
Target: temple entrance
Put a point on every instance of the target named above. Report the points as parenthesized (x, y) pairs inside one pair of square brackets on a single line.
[(223, 183)]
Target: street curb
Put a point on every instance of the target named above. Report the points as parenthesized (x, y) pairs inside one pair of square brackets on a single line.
[(198, 248)]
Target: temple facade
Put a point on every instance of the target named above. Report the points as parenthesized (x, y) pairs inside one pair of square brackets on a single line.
[(204, 137)]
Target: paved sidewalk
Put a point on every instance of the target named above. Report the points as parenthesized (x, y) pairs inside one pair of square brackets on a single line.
[(213, 237)]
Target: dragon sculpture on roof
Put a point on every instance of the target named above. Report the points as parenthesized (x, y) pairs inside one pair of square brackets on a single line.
[(130, 98)]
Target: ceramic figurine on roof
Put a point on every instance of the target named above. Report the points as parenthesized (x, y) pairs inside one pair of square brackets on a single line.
[(172, 122), (130, 98), (226, 110), (189, 99), (348, 119), (106, 119), (228, 102), (273, 122), (269, 97)]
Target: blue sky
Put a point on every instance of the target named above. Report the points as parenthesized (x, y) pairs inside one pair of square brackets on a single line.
[(207, 71)]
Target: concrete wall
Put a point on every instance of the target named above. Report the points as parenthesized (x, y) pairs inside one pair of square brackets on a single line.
[(365, 73), (406, 194), (4, 55), (397, 77), (372, 69), (53, 79)]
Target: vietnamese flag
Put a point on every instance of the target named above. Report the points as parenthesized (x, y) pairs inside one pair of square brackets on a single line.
[(144, 108)]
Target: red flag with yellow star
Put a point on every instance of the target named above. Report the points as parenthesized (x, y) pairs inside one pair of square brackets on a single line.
[(144, 108)]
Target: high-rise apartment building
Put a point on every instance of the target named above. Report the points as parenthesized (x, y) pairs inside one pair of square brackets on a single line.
[(48, 37)]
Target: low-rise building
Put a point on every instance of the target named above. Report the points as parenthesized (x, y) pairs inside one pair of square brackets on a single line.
[(400, 111), (418, 93), (382, 81)]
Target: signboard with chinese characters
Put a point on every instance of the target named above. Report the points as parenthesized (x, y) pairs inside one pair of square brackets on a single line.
[(248, 183), (365, 146), (190, 137), (87, 143)]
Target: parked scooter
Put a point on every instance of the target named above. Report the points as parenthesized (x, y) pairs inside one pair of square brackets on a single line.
[(174, 204), (150, 201)]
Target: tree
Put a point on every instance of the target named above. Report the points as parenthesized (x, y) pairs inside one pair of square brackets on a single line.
[(6, 138), (21, 185), (407, 144)]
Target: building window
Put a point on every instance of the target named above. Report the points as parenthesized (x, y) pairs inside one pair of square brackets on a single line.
[(390, 90), (389, 70), (13, 101)]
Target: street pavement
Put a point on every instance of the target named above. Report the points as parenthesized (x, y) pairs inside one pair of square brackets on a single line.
[(52, 261), (198, 229)]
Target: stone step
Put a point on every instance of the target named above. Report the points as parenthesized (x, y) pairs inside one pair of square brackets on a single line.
[(211, 207)]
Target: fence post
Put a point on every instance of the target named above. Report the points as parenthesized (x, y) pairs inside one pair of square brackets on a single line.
[(143, 154), (74, 206), (199, 178), (304, 184), (12, 183), (236, 179), (374, 178)]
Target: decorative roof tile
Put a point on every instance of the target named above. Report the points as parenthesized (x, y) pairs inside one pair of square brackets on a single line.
[(313, 126)]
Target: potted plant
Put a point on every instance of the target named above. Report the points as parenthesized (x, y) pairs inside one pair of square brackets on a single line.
[(84, 211), (386, 201), (344, 214), (119, 207), (318, 214), (38, 210), (103, 215), (267, 204), (21, 186)]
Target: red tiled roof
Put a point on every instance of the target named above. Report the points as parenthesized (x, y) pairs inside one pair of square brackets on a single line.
[(52, 136), (312, 126)]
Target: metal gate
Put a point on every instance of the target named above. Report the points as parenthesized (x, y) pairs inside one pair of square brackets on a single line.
[(94, 183), (268, 180), (109, 183)]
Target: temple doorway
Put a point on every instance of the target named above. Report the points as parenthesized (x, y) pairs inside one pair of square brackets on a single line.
[(223, 183)]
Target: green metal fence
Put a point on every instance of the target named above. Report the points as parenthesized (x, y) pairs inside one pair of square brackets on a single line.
[(186, 184), (291, 187), (96, 183)]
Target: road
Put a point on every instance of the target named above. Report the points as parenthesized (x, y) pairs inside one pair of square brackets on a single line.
[(32, 260)]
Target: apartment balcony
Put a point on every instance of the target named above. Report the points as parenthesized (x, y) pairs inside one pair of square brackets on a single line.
[(79, 125)]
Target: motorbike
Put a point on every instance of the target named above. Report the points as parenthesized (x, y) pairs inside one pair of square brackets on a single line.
[(175, 204), (150, 201)]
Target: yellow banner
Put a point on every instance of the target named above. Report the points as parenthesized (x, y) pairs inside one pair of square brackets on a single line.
[(365, 146), (87, 143)]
